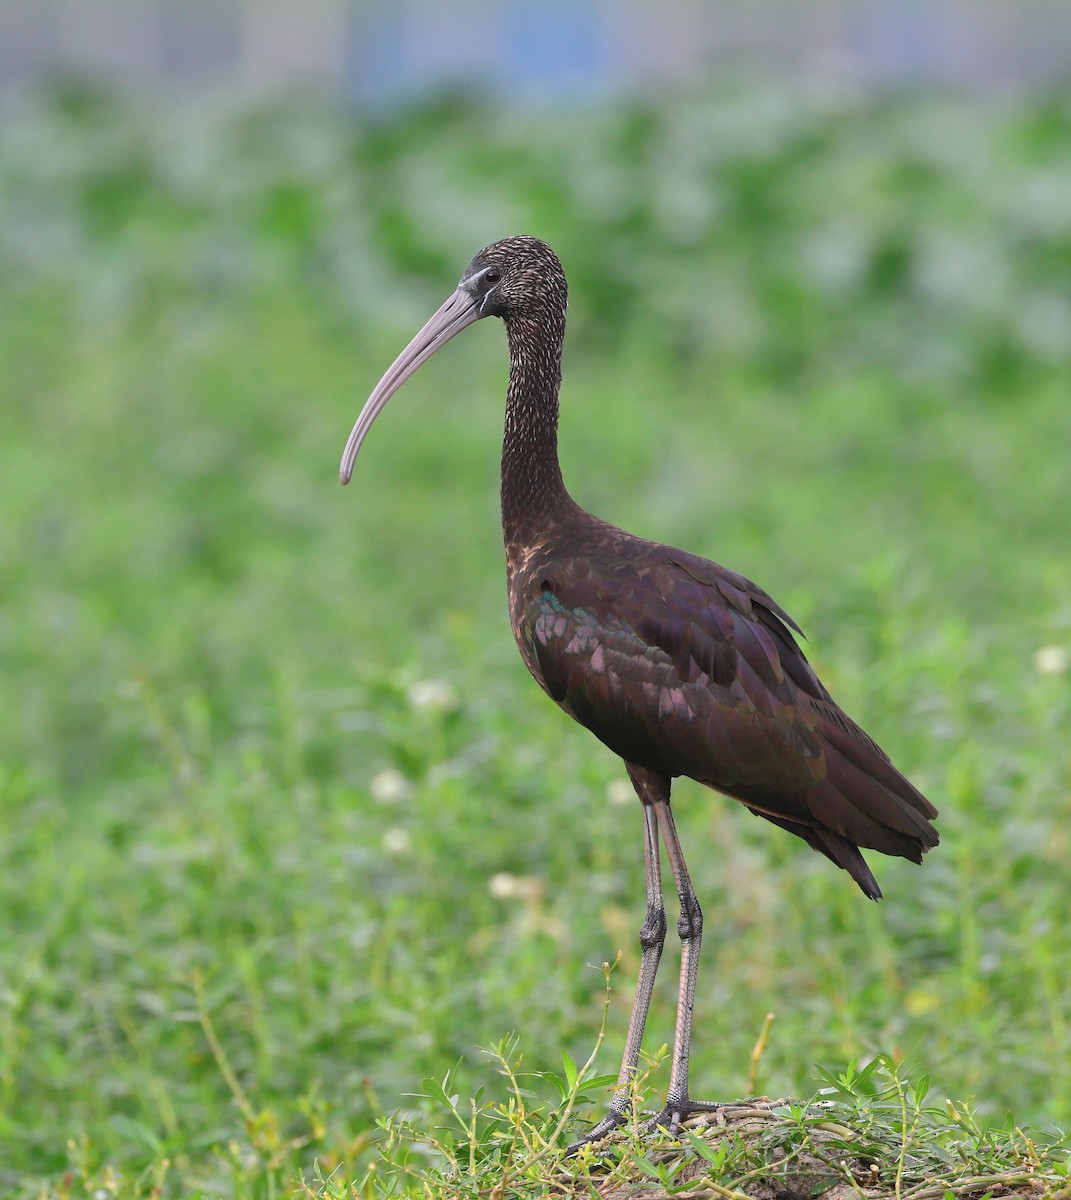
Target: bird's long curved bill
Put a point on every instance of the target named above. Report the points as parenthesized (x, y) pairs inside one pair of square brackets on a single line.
[(459, 311)]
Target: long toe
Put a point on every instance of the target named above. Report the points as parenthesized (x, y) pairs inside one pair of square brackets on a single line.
[(613, 1120), (673, 1116)]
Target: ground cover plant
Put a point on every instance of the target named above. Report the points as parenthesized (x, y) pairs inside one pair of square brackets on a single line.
[(285, 829)]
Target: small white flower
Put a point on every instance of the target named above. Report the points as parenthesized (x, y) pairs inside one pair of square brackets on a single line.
[(1051, 660), (397, 841), (619, 793), (506, 886), (432, 695), (390, 787), (502, 885)]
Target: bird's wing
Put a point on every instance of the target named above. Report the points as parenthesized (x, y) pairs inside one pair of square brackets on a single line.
[(688, 667), (684, 667)]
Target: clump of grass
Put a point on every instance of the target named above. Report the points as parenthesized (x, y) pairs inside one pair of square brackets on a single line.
[(868, 1131)]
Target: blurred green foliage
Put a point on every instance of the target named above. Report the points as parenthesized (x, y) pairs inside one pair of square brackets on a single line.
[(821, 336)]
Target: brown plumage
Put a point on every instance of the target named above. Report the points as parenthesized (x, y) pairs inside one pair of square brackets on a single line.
[(678, 665)]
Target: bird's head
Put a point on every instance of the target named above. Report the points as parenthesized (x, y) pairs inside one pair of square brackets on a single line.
[(517, 278), (514, 277)]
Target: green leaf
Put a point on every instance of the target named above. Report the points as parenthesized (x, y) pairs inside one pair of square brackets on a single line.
[(570, 1070), (715, 1155), (653, 1171)]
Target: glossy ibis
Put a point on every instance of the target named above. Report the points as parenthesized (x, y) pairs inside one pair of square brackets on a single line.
[(680, 666)]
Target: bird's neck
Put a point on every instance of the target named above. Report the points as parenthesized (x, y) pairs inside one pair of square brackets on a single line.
[(534, 498)]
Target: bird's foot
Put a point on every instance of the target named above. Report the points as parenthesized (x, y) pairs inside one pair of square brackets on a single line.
[(614, 1119), (676, 1113), (669, 1120)]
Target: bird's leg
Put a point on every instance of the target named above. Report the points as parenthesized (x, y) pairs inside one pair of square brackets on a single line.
[(690, 928), (652, 938)]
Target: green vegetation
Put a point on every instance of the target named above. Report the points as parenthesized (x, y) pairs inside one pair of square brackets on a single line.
[(285, 829), (867, 1128)]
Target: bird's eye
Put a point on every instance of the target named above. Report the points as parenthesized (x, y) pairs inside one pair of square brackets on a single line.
[(492, 275)]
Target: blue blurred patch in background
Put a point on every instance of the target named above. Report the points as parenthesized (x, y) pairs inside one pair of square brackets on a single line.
[(374, 50)]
